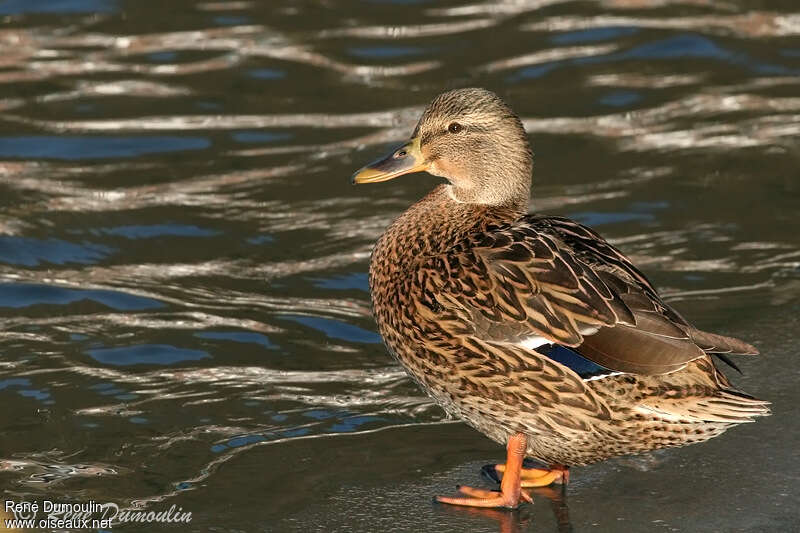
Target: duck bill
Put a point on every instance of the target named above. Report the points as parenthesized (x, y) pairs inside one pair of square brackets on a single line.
[(404, 160)]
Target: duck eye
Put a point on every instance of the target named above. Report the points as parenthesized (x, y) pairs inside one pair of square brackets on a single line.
[(454, 127)]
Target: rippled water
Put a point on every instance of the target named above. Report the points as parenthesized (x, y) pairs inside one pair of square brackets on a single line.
[(183, 295)]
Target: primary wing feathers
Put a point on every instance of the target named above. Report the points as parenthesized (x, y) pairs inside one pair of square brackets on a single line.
[(551, 278), (719, 344), (589, 246)]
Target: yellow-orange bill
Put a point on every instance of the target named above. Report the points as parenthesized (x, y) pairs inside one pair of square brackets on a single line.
[(405, 160)]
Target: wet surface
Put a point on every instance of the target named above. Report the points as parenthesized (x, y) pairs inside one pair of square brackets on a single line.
[(183, 295)]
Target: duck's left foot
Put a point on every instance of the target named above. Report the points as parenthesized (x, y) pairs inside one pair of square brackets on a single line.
[(510, 493), (534, 477)]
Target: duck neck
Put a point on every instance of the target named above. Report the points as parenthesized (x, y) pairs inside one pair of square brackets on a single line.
[(514, 199), (501, 178), (434, 225)]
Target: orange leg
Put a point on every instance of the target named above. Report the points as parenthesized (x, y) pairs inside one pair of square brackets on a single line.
[(510, 489), (540, 477)]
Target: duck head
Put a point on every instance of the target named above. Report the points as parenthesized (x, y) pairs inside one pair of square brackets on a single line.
[(471, 138)]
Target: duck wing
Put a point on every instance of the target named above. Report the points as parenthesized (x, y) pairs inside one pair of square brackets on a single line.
[(549, 280)]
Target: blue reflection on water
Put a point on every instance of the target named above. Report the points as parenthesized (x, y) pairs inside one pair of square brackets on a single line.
[(593, 218), (244, 440), (30, 252), (620, 98), (14, 382), (39, 394), (354, 422), (593, 35), (237, 442), (94, 147), (335, 329), (686, 45), (298, 432), (146, 354), (385, 52), (110, 392), (354, 280), (690, 45), (261, 239), (16, 7), (126, 397), (110, 389), (266, 73), (536, 71), (231, 20), (319, 414), (162, 57), (237, 336), (342, 425), (17, 295), (252, 137), (149, 231)]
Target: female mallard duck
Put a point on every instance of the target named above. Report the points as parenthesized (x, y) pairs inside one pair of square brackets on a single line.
[(533, 329)]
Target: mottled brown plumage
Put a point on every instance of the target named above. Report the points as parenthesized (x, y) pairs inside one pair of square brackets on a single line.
[(474, 298)]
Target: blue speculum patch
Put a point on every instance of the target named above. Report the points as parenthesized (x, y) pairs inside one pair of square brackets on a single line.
[(568, 357)]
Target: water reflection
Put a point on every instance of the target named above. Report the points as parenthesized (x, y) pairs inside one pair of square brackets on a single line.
[(523, 519), (63, 147), (19, 7), (183, 267)]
